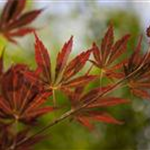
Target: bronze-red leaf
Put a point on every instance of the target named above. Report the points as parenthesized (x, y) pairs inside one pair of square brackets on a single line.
[(25, 19), (105, 117), (13, 20), (108, 101), (107, 54), (79, 81), (76, 64), (42, 59), (63, 57), (119, 48), (107, 43), (12, 9), (20, 32)]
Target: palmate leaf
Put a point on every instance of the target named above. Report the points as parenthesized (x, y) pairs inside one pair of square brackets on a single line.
[(95, 110), (139, 82), (13, 21), (12, 8), (106, 55), (64, 72), (21, 99)]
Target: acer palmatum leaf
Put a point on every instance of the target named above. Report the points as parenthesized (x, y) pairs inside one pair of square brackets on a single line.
[(108, 53), (96, 110), (64, 72), (139, 83), (13, 20), (21, 100)]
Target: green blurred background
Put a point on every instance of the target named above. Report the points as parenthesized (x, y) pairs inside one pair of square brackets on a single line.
[(87, 21)]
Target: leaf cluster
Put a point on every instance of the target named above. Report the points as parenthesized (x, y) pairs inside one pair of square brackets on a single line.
[(25, 93)]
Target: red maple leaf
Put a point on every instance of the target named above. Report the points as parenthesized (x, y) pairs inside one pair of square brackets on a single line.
[(95, 111), (139, 82), (105, 57), (13, 21), (65, 73), (19, 98)]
